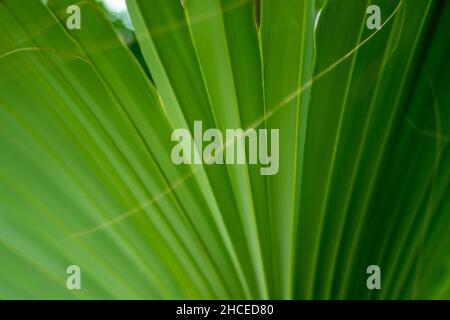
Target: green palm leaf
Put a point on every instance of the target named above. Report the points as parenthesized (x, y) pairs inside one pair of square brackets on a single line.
[(364, 165)]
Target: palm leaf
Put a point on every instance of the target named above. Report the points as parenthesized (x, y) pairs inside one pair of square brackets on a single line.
[(87, 177)]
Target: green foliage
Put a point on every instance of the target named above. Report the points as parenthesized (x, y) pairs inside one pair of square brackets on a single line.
[(86, 176)]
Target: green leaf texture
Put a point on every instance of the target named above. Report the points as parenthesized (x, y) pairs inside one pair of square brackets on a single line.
[(86, 176)]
